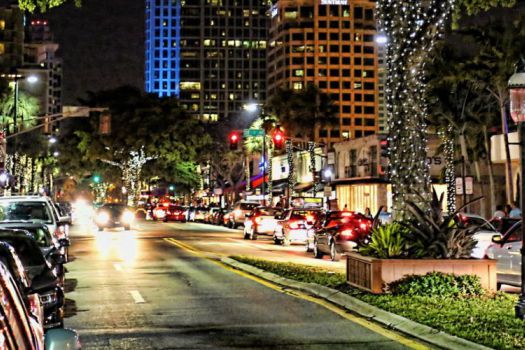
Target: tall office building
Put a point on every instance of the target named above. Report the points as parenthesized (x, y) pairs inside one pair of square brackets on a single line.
[(329, 43), (209, 53), (11, 38)]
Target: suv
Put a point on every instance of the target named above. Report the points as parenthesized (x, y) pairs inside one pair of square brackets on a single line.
[(34, 209), (296, 226), (239, 211)]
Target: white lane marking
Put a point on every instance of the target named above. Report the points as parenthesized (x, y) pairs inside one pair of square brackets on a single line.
[(137, 297), (118, 267)]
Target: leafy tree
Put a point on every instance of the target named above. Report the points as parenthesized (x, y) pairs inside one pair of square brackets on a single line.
[(27, 109), (412, 29), (146, 130), (301, 112), (43, 5)]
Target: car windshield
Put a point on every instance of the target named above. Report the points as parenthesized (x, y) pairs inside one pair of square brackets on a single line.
[(309, 215), (27, 250), (12, 211), (268, 211), (114, 208), (248, 206)]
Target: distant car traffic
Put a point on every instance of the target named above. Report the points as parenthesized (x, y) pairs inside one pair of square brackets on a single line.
[(261, 221), (339, 233), (200, 214), (239, 211), (169, 212), (506, 250), (114, 215), (296, 225)]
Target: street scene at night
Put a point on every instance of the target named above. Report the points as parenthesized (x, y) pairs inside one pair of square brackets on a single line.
[(262, 174)]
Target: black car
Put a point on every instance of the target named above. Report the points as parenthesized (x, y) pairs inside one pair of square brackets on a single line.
[(42, 277), (52, 249), (114, 215)]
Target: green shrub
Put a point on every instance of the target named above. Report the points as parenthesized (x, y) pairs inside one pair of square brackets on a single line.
[(438, 284), (387, 242)]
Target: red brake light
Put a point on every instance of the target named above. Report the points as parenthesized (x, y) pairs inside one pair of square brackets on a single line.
[(347, 213)]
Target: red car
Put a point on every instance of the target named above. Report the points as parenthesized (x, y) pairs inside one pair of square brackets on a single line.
[(175, 213), (339, 233)]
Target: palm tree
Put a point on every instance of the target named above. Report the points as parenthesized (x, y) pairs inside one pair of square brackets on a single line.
[(502, 42)]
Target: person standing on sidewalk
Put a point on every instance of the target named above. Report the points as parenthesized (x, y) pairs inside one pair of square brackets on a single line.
[(516, 211)]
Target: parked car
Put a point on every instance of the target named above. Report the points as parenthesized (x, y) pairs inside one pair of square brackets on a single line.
[(208, 218), (239, 211), (43, 279), (506, 250), (200, 214), (52, 249), (20, 329), (296, 225), (34, 209), (339, 233), (226, 217), (484, 231), (261, 220), (112, 215), (175, 213)]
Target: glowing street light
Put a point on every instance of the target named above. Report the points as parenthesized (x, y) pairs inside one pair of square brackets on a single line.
[(52, 140), (32, 79), (381, 39), (250, 107)]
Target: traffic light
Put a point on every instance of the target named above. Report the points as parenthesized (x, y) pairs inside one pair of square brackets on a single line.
[(96, 179), (234, 138), (385, 146), (278, 138)]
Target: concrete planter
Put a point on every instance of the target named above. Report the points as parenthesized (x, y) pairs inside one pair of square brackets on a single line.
[(372, 275)]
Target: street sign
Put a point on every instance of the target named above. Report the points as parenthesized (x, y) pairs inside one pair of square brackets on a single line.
[(469, 185), (253, 132)]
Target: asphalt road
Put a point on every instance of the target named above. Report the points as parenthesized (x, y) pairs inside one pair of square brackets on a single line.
[(136, 290)]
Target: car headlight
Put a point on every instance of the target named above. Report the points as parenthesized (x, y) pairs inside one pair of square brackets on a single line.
[(128, 217), (102, 217)]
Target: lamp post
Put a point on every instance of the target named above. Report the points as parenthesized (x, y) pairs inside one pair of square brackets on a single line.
[(517, 110)]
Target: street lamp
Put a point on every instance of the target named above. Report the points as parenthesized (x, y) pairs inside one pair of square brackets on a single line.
[(517, 111)]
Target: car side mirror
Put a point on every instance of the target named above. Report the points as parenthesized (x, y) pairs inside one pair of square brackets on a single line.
[(497, 239), (64, 242), (60, 338)]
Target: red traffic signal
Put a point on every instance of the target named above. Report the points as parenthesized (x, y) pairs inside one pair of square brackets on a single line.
[(278, 138), (234, 138)]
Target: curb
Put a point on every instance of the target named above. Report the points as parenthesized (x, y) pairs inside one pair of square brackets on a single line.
[(388, 319)]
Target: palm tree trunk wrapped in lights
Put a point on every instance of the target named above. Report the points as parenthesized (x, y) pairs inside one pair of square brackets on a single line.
[(311, 149), (291, 168), (449, 149), (412, 28)]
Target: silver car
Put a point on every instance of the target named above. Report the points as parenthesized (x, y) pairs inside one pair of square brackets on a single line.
[(506, 250)]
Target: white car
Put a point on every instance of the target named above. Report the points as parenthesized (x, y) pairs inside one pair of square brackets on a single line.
[(483, 234), (261, 221), (296, 226), (506, 250), (36, 209)]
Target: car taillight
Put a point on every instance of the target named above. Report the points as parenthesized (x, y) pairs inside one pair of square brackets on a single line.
[(363, 226), (346, 234)]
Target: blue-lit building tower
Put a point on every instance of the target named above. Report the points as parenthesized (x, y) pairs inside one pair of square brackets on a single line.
[(162, 73), (211, 54)]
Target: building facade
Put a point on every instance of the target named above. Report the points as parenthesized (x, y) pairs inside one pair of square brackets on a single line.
[(209, 53), (11, 38), (329, 43)]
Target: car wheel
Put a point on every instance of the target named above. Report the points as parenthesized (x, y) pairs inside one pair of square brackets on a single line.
[(309, 247), (127, 228), (334, 255), (317, 252), (100, 228), (498, 286)]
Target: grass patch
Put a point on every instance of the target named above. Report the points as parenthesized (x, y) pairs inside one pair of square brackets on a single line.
[(487, 320)]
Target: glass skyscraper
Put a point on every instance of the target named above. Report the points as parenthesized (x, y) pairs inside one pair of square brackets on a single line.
[(209, 53)]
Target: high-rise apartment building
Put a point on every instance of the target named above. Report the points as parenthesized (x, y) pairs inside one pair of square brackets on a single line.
[(209, 53), (329, 43), (11, 38)]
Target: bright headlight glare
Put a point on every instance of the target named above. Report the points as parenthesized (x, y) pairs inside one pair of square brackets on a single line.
[(102, 217), (127, 217)]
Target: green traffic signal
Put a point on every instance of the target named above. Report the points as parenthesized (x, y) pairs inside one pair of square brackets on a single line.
[(96, 179)]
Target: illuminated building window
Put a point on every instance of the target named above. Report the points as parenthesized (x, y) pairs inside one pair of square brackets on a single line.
[(2, 48), (358, 85), (195, 96), (345, 135), (297, 85), (213, 96), (190, 85), (2, 24), (298, 72), (231, 97), (195, 107)]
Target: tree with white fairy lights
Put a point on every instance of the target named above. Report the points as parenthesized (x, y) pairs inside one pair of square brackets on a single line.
[(412, 29)]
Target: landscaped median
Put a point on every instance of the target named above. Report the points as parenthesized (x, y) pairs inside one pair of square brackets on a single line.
[(484, 318)]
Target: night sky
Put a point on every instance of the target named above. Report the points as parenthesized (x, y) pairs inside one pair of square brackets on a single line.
[(102, 45)]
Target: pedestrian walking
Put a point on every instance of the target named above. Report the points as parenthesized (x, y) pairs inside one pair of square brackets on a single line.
[(368, 213), (516, 211)]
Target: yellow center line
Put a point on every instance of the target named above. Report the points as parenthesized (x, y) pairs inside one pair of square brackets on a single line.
[(375, 327)]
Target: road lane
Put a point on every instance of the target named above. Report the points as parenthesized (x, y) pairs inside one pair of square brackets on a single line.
[(188, 301)]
